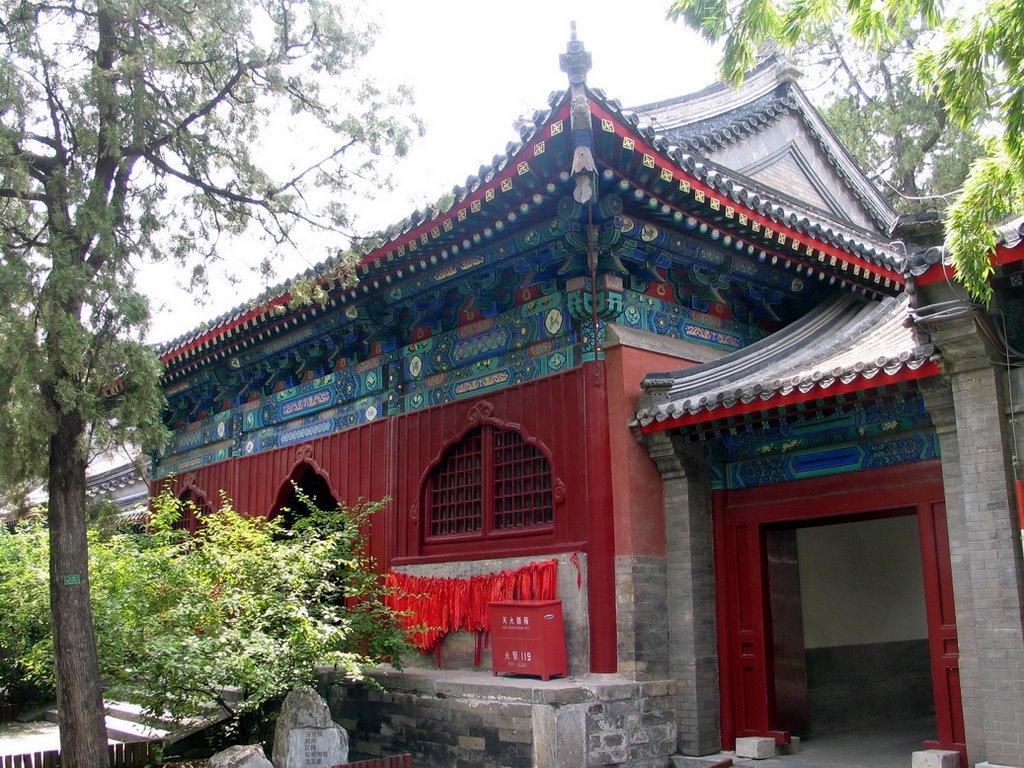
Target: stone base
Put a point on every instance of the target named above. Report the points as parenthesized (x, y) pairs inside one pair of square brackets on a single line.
[(987, 764), (792, 748), (449, 717), (708, 761), (935, 758), (756, 747)]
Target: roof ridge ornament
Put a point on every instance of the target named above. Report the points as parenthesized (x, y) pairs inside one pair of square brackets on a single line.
[(576, 61)]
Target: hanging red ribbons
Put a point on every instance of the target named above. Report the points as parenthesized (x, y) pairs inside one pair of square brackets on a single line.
[(429, 607), (575, 560)]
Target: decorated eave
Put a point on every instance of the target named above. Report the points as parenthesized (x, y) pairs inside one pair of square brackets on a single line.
[(655, 181), (720, 115), (506, 194), (844, 350), (114, 479), (710, 199)]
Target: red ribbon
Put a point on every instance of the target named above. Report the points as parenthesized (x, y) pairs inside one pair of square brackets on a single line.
[(429, 607), (575, 560)]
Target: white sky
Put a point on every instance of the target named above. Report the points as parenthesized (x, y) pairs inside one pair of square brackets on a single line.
[(476, 65)]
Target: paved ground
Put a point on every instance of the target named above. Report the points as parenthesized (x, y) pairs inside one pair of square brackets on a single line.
[(22, 738), (883, 746), (887, 745)]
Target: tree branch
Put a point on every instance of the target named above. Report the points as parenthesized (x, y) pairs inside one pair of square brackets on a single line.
[(205, 186), (315, 166), (203, 111), (28, 197), (845, 66)]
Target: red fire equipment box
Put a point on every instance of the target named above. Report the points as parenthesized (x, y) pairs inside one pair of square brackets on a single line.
[(528, 638)]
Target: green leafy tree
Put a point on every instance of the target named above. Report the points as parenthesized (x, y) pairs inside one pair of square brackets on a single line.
[(26, 650), (133, 131), (241, 604), (974, 68)]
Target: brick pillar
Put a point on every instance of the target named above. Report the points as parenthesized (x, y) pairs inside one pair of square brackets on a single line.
[(641, 617), (968, 410), (690, 591)]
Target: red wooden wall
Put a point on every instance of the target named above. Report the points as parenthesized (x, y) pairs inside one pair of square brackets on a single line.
[(566, 414)]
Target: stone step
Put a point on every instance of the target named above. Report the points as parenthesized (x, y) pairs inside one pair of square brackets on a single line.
[(167, 728), (130, 730), (125, 710), (126, 722)]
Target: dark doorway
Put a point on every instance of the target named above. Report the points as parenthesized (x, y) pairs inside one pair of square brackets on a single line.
[(314, 485), (193, 509), (848, 624)]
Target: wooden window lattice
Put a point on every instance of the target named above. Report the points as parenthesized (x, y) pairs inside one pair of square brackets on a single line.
[(455, 501), (522, 483), (517, 474)]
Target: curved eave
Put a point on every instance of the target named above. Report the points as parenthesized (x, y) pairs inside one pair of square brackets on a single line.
[(502, 192), (500, 196), (940, 270), (843, 348), (694, 188), (240, 321), (831, 386), (699, 107)]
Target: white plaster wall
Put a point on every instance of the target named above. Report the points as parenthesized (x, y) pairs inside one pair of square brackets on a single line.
[(861, 583)]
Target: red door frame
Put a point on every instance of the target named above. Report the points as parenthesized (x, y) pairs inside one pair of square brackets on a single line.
[(740, 519)]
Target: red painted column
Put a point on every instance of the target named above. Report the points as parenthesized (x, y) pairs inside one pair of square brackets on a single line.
[(600, 522)]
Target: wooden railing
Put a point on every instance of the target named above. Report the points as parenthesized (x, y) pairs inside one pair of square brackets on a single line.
[(135, 754)]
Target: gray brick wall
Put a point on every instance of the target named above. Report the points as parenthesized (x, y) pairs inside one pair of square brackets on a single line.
[(467, 720), (642, 616), (969, 411), (690, 594)]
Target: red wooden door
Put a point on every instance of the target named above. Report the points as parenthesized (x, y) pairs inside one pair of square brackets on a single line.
[(741, 612), (741, 520), (942, 635)]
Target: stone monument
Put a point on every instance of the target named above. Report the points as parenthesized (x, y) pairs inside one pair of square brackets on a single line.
[(240, 756), (305, 736)]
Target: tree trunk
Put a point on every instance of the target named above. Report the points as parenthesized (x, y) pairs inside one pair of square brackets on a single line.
[(83, 739)]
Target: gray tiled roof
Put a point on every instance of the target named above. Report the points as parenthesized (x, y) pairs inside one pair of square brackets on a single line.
[(843, 340), (766, 201), (733, 185), (719, 115)]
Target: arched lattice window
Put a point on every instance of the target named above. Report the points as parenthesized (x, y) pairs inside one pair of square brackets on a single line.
[(492, 481), (193, 509)]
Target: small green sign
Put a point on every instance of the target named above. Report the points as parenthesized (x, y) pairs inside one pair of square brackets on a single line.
[(72, 578)]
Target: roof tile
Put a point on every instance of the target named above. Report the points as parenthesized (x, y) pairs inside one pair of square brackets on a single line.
[(843, 340)]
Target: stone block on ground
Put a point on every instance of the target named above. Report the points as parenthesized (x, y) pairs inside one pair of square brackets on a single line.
[(755, 747), (708, 761), (935, 758), (792, 748), (240, 756), (305, 735)]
